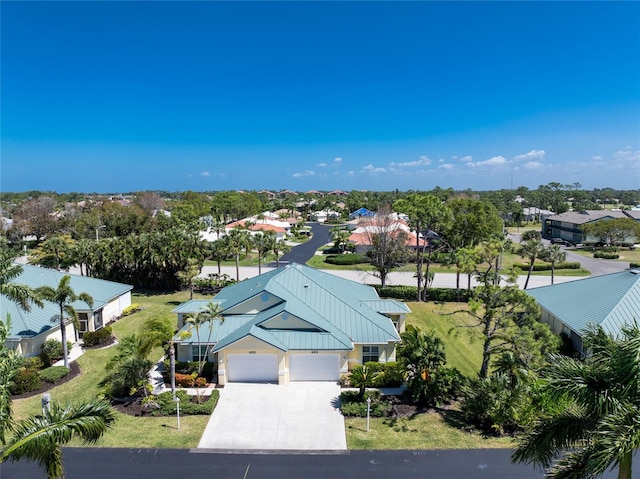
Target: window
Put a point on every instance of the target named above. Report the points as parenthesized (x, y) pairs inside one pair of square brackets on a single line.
[(83, 319), (370, 353), (97, 319), (199, 352)]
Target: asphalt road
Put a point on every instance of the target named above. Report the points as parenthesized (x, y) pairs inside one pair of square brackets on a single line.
[(305, 251), (99, 463), (104, 463)]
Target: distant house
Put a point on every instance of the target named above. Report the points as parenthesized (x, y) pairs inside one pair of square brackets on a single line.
[(293, 324), (361, 213), (569, 225), (29, 330), (324, 216), (532, 213), (610, 301), (338, 193), (361, 236)]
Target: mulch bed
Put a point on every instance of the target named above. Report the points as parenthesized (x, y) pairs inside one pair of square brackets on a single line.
[(74, 370)]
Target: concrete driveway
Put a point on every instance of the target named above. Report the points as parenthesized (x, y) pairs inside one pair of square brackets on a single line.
[(294, 416)]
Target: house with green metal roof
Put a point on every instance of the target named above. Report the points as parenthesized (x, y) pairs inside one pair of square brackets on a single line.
[(293, 323), (29, 330), (610, 301)]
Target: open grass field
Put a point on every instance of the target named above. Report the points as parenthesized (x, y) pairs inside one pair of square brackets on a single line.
[(626, 255)]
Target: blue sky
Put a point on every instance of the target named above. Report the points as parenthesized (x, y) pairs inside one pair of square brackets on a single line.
[(125, 96)]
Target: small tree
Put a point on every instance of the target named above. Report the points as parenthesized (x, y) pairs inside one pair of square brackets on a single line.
[(554, 255), (531, 249), (189, 274), (206, 316), (64, 296)]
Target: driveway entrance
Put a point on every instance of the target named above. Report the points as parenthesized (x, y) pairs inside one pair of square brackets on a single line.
[(294, 416)]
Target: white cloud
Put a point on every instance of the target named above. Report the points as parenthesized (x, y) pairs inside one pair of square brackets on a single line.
[(467, 158), (446, 166), (337, 160), (441, 160), (321, 165), (304, 173), (532, 165), (627, 154), (373, 169), (351, 173), (532, 155), (495, 161), (205, 173), (597, 158), (423, 161)]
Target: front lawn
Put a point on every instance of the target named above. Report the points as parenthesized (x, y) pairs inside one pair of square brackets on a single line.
[(129, 431)]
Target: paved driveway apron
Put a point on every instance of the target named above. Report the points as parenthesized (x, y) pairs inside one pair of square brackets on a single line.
[(294, 416)]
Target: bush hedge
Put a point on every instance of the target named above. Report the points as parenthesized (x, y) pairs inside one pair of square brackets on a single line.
[(134, 308), (189, 367), (409, 293), (53, 374), (94, 338), (52, 351), (26, 380), (547, 267), (634, 265), (350, 406), (606, 255), (346, 259), (166, 406)]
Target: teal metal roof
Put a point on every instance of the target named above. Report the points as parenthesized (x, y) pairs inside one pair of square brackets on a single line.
[(388, 306), (344, 312), (610, 301), (38, 320), (193, 306)]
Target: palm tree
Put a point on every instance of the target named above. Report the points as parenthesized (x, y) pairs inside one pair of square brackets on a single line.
[(531, 249), (263, 242), (196, 321), (280, 247), (64, 296), (20, 294), (238, 240), (39, 438), (189, 274), (554, 254), (600, 427), (158, 332)]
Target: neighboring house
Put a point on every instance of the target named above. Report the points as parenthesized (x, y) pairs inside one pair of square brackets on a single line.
[(532, 213), (361, 213), (29, 330), (609, 301), (324, 216), (361, 236), (568, 226), (294, 323)]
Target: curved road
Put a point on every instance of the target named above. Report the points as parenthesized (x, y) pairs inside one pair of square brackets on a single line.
[(305, 251)]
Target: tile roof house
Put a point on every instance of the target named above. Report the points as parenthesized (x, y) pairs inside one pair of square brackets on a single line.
[(294, 323), (29, 330), (369, 227), (610, 301)]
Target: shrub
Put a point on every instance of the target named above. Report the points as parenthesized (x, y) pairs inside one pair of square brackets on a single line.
[(53, 374), (606, 255), (134, 308), (409, 293), (185, 380), (166, 406), (346, 259), (52, 351), (391, 376), (25, 380), (547, 267), (93, 338), (350, 406), (200, 382), (34, 362), (634, 265)]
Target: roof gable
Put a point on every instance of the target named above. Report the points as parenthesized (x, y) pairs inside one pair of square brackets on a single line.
[(609, 301)]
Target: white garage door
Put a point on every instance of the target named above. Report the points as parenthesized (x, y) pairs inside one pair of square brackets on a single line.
[(252, 368), (314, 367)]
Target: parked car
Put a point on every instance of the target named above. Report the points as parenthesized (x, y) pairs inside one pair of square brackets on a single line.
[(560, 241)]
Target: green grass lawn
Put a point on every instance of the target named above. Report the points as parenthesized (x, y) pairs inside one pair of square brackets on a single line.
[(439, 429), (129, 431), (626, 255)]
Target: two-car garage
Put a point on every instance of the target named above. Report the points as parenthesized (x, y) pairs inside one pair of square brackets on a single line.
[(264, 367)]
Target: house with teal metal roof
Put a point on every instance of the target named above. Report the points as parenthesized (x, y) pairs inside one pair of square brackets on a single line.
[(294, 323), (610, 301), (30, 329)]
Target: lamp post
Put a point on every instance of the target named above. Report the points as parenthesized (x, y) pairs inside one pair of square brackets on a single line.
[(178, 411), (98, 229), (368, 411)]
